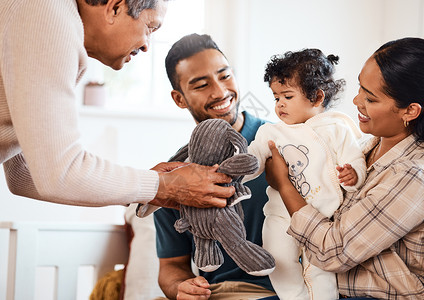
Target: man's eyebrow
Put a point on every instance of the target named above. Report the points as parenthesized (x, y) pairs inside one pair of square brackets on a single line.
[(194, 80), (365, 89)]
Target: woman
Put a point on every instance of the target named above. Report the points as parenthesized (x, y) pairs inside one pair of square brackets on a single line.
[(375, 241)]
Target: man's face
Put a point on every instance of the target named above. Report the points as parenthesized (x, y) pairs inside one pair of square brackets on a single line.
[(125, 36), (209, 89)]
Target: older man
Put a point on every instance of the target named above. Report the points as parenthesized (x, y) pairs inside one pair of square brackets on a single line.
[(44, 48)]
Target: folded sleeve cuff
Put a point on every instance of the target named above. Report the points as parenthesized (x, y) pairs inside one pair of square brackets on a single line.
[(149, 183), (143, 210), (305, 224)]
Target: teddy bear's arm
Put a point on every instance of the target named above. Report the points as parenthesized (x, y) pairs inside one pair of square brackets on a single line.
[(239, 165), (181, 154)]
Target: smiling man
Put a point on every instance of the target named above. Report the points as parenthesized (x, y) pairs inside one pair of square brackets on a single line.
[(203, 82)]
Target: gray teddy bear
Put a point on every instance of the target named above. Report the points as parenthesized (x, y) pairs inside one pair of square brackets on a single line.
[(212, 142)]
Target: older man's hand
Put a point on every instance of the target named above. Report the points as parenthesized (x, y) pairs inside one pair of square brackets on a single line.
[(191, 184)]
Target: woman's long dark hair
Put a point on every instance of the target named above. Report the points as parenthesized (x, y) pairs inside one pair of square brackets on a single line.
[(401, 63)]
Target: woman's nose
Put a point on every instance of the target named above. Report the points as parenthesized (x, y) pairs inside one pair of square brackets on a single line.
[(356, 100)]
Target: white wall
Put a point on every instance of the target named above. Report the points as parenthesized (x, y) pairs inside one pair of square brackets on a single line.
[(351, 29), (403, 18), (249, 32)]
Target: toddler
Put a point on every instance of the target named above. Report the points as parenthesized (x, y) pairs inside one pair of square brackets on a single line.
[(322, 153)]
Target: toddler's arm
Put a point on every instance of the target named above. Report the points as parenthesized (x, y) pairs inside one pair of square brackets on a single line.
[(347, 175), (259, 148), (348, 152)]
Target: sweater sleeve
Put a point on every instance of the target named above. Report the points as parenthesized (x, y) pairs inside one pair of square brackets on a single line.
[(42, 59)]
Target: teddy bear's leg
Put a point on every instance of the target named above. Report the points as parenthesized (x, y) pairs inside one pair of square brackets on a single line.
[(242, 193), (207, 256), (251, 258)]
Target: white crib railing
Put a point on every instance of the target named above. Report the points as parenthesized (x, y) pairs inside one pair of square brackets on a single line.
[(27, 247)]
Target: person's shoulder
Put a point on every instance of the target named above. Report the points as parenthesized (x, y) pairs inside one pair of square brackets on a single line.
[(406, 159), (251, 119), (251, 125), (338, 121), (330, 117), (55, 12), (409, 152), (57, 18)]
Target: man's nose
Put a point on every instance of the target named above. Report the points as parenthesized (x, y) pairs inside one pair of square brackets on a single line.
[(146, 45), (218, 90)]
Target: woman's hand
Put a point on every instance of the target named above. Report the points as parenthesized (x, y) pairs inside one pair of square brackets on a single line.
[(276, 170), (277, 175)]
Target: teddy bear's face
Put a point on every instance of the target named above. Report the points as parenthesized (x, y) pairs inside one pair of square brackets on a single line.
[(211, 144), (296, 158)]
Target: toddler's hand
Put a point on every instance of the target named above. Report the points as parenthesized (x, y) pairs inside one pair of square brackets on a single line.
[(347, 175)]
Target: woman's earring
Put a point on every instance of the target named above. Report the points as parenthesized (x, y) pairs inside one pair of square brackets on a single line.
[(405, 123)]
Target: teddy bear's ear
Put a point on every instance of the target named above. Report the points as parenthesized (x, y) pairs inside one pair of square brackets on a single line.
[(237, 140), (303, 148)]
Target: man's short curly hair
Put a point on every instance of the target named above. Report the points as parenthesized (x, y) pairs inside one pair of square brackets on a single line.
[(135, 7), (309, 69)]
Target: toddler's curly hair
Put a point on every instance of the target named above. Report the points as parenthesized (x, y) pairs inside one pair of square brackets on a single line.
[(309, 69)]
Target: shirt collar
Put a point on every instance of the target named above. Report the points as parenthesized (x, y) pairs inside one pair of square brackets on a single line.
[(396, 152)]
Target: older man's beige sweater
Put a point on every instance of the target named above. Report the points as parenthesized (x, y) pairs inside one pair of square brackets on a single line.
[(42, 58)]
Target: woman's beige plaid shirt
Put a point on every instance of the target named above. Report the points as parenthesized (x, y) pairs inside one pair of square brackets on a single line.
[(375, 243)]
